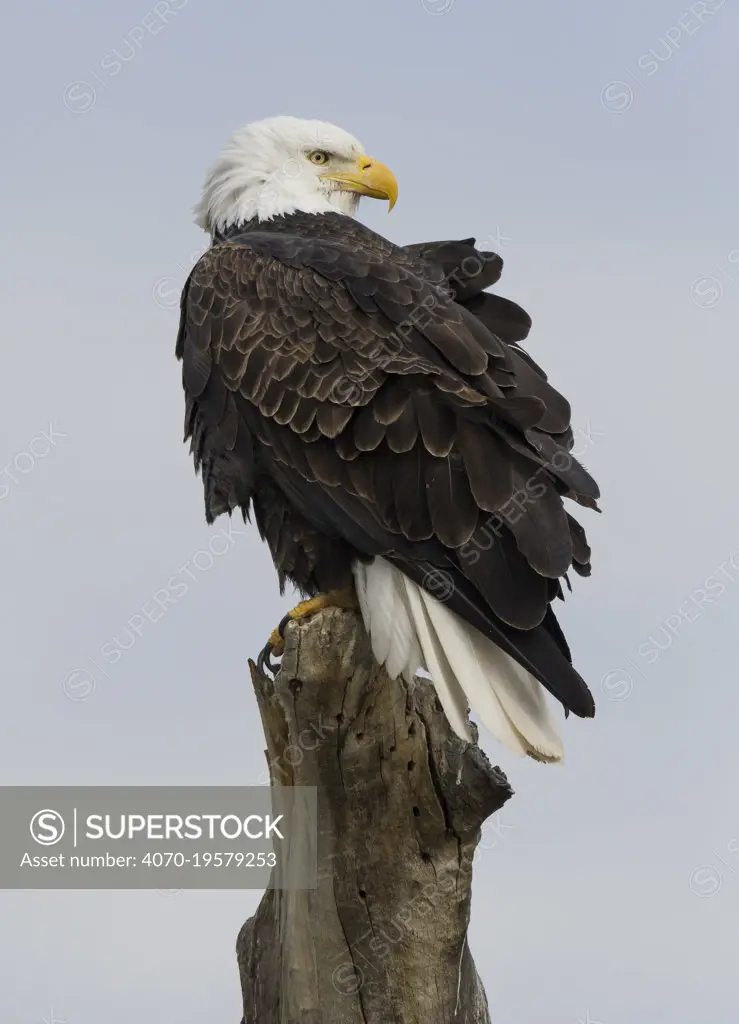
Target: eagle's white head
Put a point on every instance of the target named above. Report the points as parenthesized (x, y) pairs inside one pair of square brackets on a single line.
[(284, 165)]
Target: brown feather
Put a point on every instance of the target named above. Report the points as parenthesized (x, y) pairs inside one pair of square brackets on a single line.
[(453, 511)]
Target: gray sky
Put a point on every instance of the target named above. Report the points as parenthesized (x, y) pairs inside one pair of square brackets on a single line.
[(608, 172)]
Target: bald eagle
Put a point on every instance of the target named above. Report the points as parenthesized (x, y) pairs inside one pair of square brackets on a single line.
[(371, 404)]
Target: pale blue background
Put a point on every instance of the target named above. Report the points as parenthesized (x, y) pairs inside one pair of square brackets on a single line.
[(611, 894)]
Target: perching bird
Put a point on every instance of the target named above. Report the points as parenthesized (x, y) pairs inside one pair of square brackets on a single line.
[(371, 404)]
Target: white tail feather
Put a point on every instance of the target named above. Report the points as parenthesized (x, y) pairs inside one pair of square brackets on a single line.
[(409, 629), (469, 667), (448, 690), (386, 618)]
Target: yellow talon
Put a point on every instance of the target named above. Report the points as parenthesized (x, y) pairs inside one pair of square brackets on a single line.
[(332, 599), (276, 641)]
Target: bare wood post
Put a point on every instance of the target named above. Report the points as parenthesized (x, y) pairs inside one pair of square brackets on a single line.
[(401, 800)]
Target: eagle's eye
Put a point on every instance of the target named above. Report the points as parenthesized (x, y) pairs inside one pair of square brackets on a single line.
[(318, 156)]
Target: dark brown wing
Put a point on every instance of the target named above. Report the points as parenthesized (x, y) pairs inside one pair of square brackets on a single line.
[(392, 417)]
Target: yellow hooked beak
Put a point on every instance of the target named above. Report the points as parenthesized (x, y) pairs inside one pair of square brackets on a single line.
[(371, 178)]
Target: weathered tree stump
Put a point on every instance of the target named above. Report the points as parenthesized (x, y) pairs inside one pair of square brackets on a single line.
[(401, 800)]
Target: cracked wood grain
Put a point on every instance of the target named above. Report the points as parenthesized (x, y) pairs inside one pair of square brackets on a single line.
[(401, 800)]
